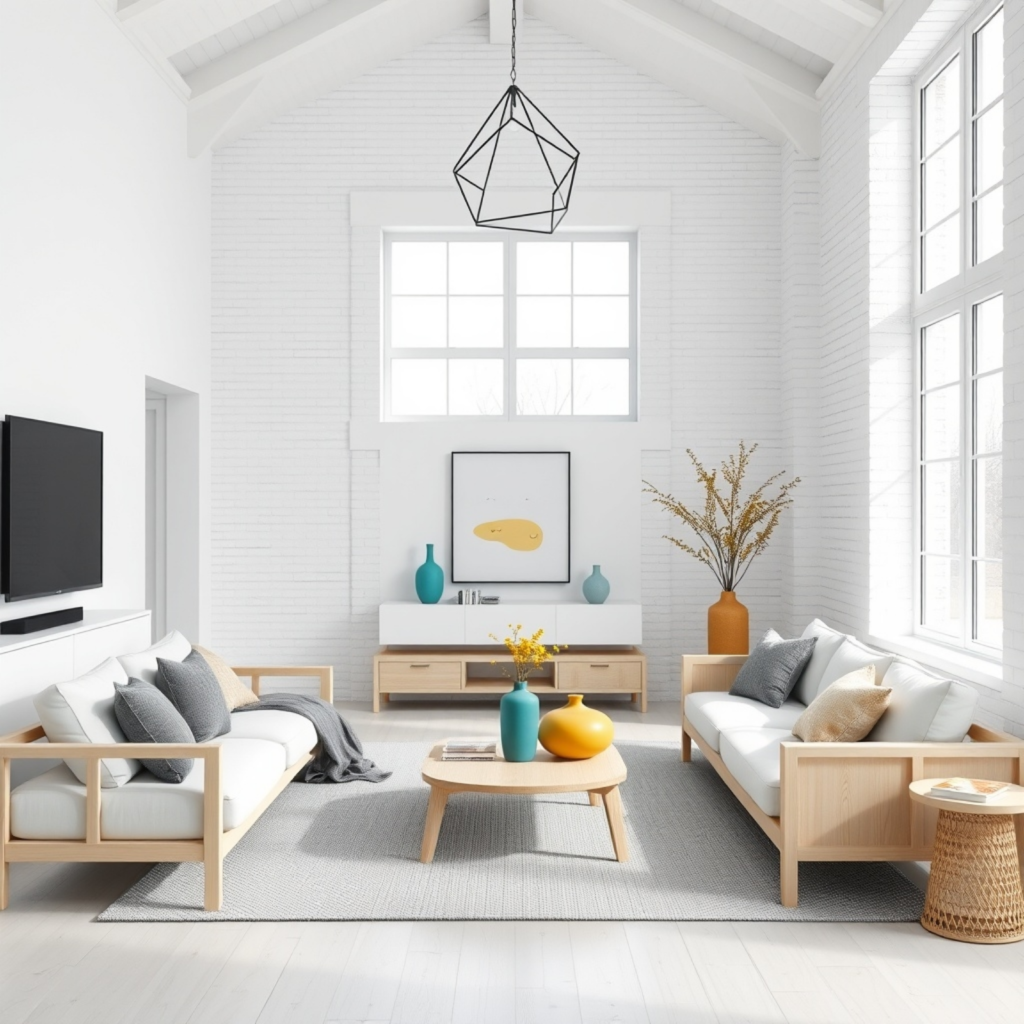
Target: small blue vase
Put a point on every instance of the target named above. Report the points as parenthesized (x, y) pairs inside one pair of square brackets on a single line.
[(429, 579), (596, 588), (520, 720)]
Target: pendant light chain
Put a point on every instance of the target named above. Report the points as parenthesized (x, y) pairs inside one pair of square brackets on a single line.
[(513, 75)]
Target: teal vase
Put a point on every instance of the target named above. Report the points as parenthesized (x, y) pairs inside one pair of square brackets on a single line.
[(596, 588), (520, 721), (429, 579)]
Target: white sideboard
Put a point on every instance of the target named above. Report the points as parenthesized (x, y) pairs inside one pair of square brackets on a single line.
[(409, 623), (32, 662)]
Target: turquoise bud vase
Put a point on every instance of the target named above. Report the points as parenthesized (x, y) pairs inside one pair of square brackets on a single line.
[(596, 588), (429, 579), (520, 722)]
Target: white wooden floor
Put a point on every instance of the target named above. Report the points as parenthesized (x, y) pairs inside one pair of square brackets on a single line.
[(57, 966)]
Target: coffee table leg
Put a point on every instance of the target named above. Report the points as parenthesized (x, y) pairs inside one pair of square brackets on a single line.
[(435, 813), (613, 809), (595, 799)]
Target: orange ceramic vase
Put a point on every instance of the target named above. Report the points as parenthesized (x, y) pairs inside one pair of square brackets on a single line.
[(728, 626), (576, 732)]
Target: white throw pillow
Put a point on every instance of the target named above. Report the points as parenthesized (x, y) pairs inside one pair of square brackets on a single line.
[(173, 647), (924, 706), (827, 643), (850, 656), (82, 711)]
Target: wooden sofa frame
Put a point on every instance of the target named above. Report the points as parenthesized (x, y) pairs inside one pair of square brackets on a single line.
[(850, 801), (210, 850)]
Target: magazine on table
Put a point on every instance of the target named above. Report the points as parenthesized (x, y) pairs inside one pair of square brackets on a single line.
[(976, 791)]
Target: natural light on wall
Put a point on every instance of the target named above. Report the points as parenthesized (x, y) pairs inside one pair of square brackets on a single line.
[(509, 328), (959, 324)]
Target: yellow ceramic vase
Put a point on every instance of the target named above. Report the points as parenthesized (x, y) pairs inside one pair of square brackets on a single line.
[(728, 626), (576, 731)]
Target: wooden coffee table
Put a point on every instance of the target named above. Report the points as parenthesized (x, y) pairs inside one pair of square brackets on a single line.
[(597, 776)]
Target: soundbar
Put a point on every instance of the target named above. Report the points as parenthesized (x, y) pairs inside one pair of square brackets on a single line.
[(47, 620)]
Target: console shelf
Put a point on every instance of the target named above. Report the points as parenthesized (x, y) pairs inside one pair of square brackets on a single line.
[(447, 670)]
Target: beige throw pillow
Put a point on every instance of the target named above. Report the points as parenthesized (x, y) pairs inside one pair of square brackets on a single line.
[(236, 693), (845, 711)]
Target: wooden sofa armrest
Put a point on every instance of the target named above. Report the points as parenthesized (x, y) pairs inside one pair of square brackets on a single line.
[(93, 754), (851, 801), (325, 673), (710, 671)]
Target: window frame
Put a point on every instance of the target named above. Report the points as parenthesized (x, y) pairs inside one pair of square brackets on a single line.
[(509, 352), (961, 294)]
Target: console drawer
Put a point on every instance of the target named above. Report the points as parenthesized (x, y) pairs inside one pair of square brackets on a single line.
[(597, 675), (420, 674)]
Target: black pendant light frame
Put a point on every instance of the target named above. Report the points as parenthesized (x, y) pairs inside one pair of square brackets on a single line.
[(515, 111)]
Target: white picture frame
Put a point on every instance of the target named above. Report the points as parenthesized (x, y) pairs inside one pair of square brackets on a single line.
[(510, 517)]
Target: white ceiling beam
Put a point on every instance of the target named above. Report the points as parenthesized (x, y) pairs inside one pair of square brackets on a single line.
[(690, 34), (719, 68), (207, 122), (807, 23), (288, 43), (499, 17), (867, 12), (294, 68), (694, 32), (171, 26)]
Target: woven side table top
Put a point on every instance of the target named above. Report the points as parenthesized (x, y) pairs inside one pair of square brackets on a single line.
[(974, 890)]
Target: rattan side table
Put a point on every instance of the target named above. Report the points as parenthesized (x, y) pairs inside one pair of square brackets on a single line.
[(974, 890)]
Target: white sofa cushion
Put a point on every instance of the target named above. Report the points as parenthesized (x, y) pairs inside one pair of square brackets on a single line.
[(828, 641), (173, 647), (754, 757), (924, 706), (293, 732), (851, 656), (712, 713), (82, 711), (52, 805)]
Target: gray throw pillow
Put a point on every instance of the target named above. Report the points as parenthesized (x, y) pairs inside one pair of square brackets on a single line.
[(192, 688), (773, 668), (147, 716)]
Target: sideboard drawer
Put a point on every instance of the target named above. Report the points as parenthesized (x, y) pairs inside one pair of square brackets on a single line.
[(426, 675), (597, 675)]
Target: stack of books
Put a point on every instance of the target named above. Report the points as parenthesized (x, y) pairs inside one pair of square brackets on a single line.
[(976, 791), (470, 750)]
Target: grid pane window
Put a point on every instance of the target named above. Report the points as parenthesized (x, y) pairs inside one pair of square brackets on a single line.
[(987, 128), (514, 328), (940, 176), (941, 505), (958, 317), (987, 471)]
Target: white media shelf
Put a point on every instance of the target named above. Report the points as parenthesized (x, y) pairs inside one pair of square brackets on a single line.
[(411, 624)]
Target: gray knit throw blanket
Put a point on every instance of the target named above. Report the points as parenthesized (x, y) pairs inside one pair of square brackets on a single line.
[(339, 756)]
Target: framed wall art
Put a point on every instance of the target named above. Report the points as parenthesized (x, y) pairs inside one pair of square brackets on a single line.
[(510, 517)]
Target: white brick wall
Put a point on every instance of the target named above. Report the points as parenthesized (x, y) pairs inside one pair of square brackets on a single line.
[(296, 297), (1013, 398)]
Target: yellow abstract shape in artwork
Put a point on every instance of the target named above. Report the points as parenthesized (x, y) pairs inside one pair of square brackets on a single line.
[(517, 534)]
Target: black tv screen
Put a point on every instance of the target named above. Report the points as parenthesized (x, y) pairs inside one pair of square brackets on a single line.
[(51, 509)]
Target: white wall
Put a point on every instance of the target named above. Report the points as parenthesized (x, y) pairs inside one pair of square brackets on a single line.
[(105, 242), (303, 551)]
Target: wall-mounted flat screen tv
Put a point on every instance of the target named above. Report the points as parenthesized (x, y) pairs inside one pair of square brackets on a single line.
[(51, 509)]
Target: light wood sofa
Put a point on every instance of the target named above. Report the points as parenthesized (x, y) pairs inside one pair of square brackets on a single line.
[(210, 850), (850, 801)]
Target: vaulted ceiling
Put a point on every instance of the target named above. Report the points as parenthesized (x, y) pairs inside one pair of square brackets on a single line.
[(240, 63)]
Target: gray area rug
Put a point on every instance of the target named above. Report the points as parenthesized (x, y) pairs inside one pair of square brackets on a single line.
[(351, 852)]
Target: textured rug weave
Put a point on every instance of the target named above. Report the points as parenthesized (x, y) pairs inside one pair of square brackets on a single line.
[(351, 852)]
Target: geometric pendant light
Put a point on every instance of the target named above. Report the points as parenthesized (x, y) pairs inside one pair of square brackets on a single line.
[(518, 171)]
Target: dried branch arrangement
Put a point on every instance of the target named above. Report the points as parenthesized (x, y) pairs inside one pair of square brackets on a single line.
[(732, 530)]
